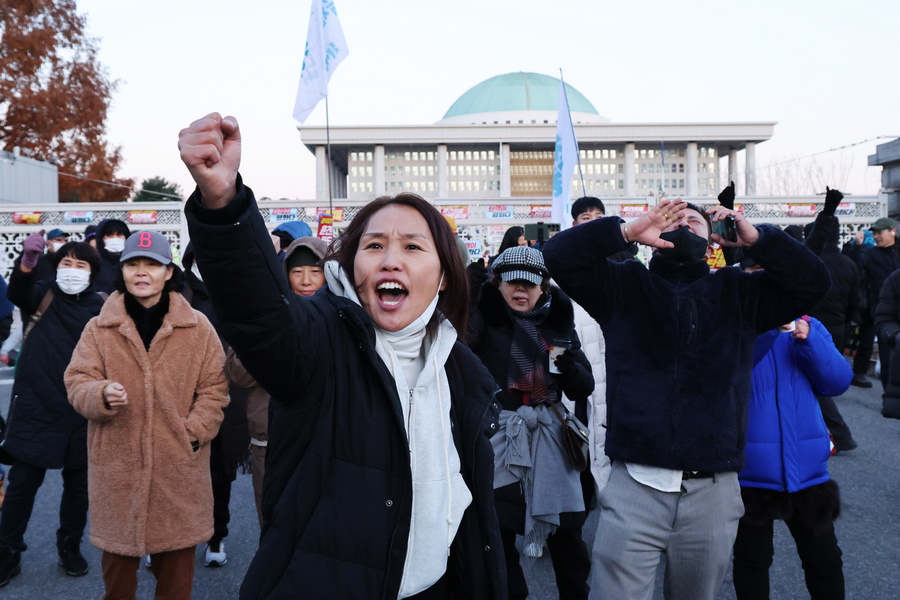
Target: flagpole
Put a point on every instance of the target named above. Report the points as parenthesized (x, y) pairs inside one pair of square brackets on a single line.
[(328, 153), (578, 153)]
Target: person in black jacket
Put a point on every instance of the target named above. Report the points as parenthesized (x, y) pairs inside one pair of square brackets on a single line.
[(839, 306), (382, 486), (887, 324), (518, 317), (875, 265), (679, 349), (43, 430)]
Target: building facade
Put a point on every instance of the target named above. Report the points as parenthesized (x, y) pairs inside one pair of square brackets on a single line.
[(497, 142)]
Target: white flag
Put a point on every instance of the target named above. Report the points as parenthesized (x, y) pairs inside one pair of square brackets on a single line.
[(564, 158), (325, 49)]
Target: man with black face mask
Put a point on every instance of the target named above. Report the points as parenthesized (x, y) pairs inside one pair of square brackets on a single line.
[(678, 357)]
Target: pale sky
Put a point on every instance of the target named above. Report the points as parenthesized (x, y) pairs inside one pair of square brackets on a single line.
[(821, 69)]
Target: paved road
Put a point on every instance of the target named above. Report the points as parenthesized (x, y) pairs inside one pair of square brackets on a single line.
[(868, 531)]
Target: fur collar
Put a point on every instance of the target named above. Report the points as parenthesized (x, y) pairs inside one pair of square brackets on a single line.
[(494, 309), (180, 312)]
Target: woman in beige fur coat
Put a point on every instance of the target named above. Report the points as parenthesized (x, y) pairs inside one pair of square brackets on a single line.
[(148, 376)]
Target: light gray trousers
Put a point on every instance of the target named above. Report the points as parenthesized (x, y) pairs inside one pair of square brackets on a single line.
[(695, 529)]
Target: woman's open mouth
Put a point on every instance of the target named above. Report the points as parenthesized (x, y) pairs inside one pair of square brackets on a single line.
[(391, 294)]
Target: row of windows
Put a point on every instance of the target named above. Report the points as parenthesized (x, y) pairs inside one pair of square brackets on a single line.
[(474, 170), (602, 184), (413, 171), (361, 157), (603, 169), (519, 170), (490, 155), (411, 155), (474, 186), (472, 155), (655, 183), (592, 154), (411, 186), (531, 155), (361, 187), (672, 152)]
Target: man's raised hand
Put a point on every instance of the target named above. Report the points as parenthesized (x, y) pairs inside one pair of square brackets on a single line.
[(646, 229), (211, 149)]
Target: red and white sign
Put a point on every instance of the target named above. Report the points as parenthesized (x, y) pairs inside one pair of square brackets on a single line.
[(455, 212), (326, 228), (845, 209), (142, 217), (633, 211), (801, 210), (541, 212)]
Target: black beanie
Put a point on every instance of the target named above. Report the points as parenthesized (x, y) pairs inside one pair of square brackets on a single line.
[(301, 257)]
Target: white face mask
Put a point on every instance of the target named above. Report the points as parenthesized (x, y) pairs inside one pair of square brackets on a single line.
[(57, 245), (73, 281), (114, 245)]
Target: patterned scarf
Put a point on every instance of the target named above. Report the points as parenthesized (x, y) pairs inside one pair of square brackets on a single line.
[(528, 356)]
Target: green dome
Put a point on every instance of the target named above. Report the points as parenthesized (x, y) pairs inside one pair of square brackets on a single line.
[(517, 92)]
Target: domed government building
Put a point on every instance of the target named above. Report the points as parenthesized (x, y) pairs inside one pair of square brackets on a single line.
[(497, 140)]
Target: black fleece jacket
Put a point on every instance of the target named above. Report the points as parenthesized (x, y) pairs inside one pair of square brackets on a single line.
[(679, 339)]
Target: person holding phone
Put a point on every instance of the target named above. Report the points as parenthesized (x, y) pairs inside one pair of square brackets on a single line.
[(785, 475), (523, 330)]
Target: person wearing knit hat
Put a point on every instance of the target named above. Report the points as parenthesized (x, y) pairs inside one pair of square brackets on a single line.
[(301, 265)]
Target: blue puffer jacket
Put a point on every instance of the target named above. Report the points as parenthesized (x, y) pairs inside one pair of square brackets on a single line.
[(787, 441)]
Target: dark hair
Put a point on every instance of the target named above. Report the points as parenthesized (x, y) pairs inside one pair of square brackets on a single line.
[(79, 251), (112, 227), (705, 216), (174, 284), (795, 231), (511, 238), (585, 203), (454, 299)]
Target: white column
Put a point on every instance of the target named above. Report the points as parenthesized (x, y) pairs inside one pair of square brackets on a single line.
[(322, 174), (732, 166), (629, 169), (505, 175), (750, 167), (378, 172), (442, 187), (690, 168)]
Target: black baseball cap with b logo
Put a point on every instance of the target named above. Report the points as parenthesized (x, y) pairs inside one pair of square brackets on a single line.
[(147, 244)]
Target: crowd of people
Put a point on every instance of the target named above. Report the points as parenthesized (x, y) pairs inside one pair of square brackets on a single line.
[(410, 420)]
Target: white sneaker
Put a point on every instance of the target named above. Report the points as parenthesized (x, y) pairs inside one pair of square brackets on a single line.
[(215, 555), (534, 550)]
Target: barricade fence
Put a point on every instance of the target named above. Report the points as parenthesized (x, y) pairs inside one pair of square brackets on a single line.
[(481, 223)]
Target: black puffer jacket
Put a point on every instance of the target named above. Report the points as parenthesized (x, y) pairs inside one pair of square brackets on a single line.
[(340, 524), (42, 428), (491, 334), (875, 266)]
